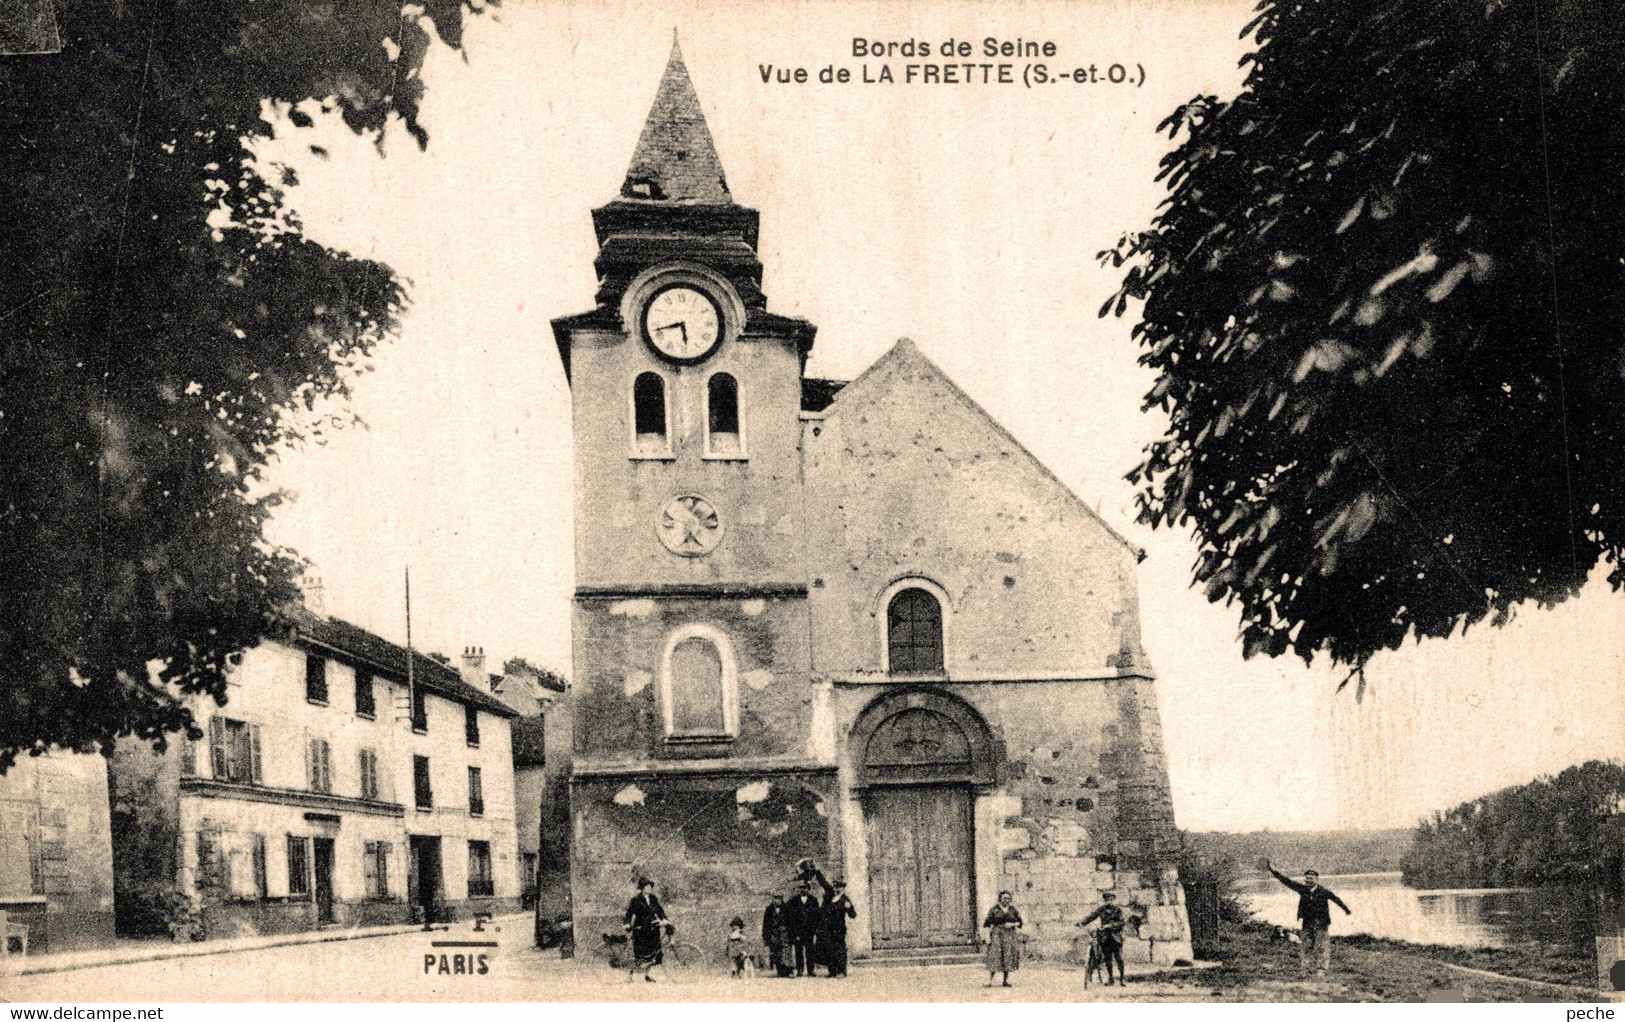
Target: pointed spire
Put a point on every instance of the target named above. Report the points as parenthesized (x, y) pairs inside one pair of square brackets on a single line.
[(675, 160)]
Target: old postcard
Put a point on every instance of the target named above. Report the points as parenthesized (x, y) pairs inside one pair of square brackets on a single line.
[(822, 502)]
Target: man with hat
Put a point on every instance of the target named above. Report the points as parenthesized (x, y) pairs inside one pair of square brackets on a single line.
[(776, 936), (1110, 938), (1314, 912), (801, 918)]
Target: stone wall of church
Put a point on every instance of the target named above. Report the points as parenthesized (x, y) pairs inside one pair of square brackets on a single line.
[(917, 481), (620, 645), (619, 499), (1080, 805), (716, 845)]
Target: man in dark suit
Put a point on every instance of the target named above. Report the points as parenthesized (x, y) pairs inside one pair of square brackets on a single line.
[(801, 917), (1315, 913), (776, 936)]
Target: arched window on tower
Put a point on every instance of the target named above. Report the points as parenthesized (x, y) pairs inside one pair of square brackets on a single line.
[(913, 633), (649, 434), (723, 436)]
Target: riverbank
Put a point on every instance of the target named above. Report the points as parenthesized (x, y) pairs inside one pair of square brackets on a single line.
[(1256, 967)]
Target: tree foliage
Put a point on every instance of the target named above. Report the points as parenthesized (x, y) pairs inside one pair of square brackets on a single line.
[(161, 315), (1554, 830), (1384, 301)]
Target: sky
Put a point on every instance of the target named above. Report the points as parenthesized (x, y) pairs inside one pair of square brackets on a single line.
[(966, 217)]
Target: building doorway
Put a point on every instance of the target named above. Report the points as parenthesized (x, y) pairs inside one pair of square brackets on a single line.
[(324, 879), (423, 878), (920, 867), (922, 756)]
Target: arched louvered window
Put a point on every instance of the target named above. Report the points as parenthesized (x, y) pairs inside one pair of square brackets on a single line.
[(723, 436), (649, 415), (914, 633)]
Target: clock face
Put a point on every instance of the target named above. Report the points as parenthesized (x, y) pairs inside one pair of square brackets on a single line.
[(682, 323)]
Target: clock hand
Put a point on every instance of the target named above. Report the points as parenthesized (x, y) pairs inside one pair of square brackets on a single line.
[(668, 326)]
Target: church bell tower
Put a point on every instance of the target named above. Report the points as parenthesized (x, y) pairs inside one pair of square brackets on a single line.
[(686, 390)]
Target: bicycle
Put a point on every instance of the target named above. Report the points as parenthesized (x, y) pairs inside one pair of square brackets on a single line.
[(677, 956)]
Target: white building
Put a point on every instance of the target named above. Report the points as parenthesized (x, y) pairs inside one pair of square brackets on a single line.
[(322, 793)]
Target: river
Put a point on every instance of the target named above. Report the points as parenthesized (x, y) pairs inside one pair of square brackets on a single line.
[(1384, 907)]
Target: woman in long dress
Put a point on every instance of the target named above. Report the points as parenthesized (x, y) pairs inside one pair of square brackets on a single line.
[(1003, 943), (644, 920)]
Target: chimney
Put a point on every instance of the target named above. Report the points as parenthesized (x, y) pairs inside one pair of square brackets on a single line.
[(315, 594), (473, 667)]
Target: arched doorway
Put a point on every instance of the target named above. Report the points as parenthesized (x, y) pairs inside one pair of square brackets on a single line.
[(920, 755)]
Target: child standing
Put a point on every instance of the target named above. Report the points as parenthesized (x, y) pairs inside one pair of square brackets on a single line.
[(736, 946)]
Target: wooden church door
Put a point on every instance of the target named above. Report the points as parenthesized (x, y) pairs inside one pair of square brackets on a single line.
[(920, 866)]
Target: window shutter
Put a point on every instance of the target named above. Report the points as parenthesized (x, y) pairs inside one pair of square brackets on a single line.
[(254, 756), (327, 766), (259, 855), (383, 869), (369, 868), (188, 758), (310, 765), (217, 748)]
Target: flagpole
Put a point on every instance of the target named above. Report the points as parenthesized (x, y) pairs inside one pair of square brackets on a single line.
[(412, 705), (411, 689)]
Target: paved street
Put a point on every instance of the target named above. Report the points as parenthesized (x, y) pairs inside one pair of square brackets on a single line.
[(399, 967), (392, 967)]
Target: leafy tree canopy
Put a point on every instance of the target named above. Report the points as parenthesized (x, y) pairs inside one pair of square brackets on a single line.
[(544, 676), (162, 313), (1566, 829), (1385, 302)]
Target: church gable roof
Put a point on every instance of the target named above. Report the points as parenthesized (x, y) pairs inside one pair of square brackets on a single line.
[(675, 160), (906, 355)]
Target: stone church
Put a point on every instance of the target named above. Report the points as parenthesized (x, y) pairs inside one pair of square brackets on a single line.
[(852, 621)]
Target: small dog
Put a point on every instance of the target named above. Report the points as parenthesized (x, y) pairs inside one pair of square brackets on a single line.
[(1281, 933)]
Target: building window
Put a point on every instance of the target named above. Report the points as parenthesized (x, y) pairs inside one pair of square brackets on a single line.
[(298, 867), (320, 758), (698, 685), (366, 705), (369, 774), (375, 868), (723, 437), (420, 782), (471, 725), (476, 793), (20, 865), (480, 884), (649, 417), (316, 678), (234, 751), (188, 757), (420, 710), (914, 633)]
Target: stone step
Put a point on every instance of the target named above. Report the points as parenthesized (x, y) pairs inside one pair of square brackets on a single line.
[(915, 957)]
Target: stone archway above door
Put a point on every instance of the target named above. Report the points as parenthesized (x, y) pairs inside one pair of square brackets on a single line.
[(921, 736)]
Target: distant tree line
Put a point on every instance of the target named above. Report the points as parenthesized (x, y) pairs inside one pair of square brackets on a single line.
[(1554, 830), (1329, 851)]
